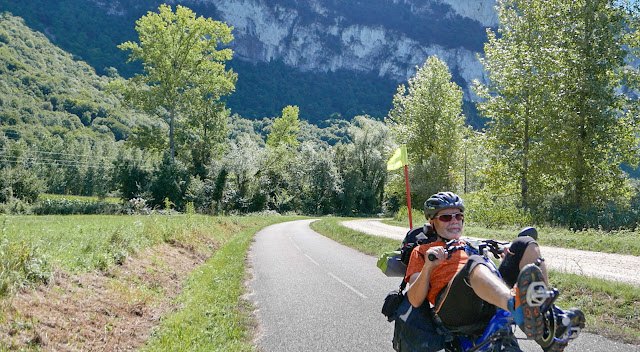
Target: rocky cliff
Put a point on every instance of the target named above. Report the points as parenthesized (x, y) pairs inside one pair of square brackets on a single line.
[(387, 37)]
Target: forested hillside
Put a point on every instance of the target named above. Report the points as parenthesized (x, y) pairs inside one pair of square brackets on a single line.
[(59, 125), (45, 92), (64, 131)]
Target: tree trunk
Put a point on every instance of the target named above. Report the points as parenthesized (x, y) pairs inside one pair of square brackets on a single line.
[(171, 126), (525, 165)]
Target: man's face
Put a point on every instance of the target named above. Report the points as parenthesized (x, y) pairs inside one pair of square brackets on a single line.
[(448, 229)]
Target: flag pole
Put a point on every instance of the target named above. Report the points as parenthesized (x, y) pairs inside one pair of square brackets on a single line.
[(406, 177), (397, 160)]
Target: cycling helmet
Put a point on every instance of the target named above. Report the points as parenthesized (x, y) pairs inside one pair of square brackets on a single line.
[(439, 201)]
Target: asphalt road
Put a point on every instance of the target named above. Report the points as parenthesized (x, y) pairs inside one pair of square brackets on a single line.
[(314, 294)]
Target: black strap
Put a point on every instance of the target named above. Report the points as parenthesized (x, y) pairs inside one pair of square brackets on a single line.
[(403, 285)]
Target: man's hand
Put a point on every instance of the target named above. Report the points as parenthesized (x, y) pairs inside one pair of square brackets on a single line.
[(438, 253)]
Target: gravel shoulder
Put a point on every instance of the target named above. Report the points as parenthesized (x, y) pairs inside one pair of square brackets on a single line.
[(614, 267)]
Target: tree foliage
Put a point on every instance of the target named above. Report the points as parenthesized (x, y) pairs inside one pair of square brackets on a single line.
[(426, 116), (362, 162), (181, 65), (560, 125), (284, 130)]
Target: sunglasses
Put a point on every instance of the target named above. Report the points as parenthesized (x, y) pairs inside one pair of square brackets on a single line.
[(449, 217)]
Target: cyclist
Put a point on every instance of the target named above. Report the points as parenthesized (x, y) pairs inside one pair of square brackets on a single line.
[(463, 289)]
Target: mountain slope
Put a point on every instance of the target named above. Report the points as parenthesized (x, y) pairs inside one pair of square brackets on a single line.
[(45, 92)]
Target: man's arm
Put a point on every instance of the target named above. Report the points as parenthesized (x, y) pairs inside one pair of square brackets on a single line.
[(419, 282)]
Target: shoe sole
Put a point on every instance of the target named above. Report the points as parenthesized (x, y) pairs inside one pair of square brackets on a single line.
[(533, 325)]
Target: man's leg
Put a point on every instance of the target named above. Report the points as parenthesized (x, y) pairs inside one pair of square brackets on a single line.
[(490, 287), (530, 256), (493, 290), (458, 305), (523, 250)]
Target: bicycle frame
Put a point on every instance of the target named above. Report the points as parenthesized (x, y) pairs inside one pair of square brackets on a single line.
[(499, 328), (501, 324)]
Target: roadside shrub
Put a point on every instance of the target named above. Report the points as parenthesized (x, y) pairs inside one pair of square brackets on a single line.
[(20, 264), (63, 206), (616, 215), (494, 211)]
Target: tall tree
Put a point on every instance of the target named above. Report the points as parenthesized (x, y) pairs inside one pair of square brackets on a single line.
[(281, 174), (427, 116), (558, 120), (181, 64), (604, 136), (363, 166), (518, 96)]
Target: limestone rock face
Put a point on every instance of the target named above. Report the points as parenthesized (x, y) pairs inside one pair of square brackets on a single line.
[(389, 38)]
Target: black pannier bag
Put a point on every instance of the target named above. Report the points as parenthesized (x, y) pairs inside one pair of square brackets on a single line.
[(415, 329)]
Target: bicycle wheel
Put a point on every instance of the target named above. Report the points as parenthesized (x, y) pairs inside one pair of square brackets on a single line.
[(549, 329)]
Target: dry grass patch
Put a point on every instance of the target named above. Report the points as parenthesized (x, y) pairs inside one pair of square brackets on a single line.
[(100, 311)]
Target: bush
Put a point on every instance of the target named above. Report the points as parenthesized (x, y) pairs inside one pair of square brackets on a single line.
[(494, 211), (15, 207), (19, 183), (613, 216), (131, 178), (63, 206), (171, 180), (19, 265), (138, 206), (417, 216)]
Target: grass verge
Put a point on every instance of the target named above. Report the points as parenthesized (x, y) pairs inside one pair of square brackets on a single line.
[(372, 245), (612, 309), (214, 317)]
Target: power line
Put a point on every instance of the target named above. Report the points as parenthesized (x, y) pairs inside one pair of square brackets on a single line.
[(61, 163), (71, 155), (39, 162), (52, 161), (57, 162)]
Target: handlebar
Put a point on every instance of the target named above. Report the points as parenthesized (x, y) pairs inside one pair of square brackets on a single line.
[(448, 250), (493, 246)]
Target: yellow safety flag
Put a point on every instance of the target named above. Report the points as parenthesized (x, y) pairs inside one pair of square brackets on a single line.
[(399, 158)]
